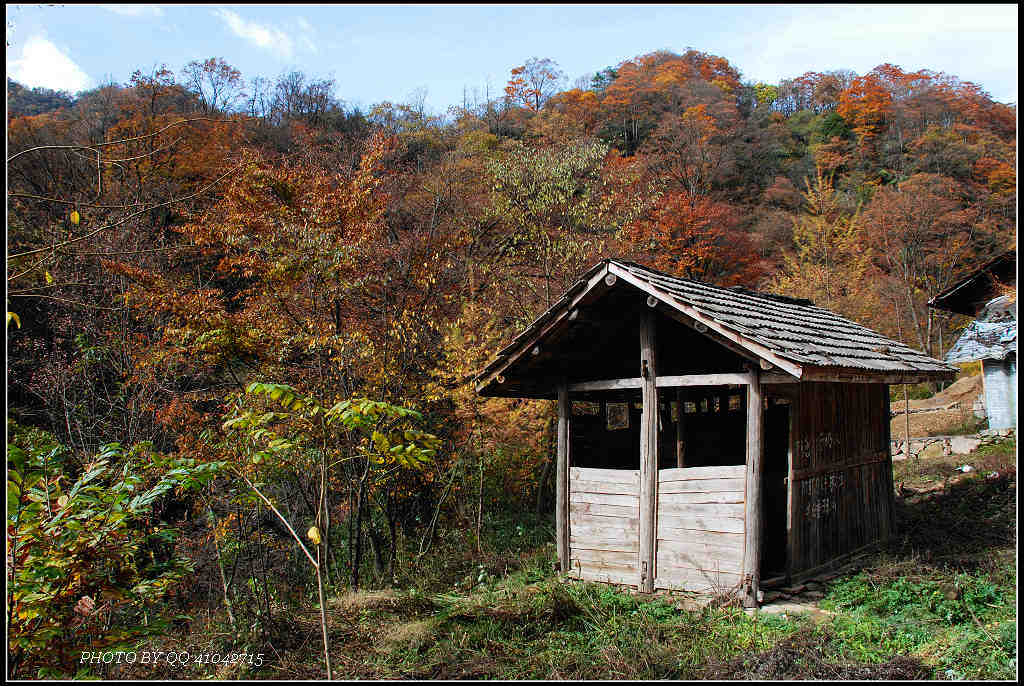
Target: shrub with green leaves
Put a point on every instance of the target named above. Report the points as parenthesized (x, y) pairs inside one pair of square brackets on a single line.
[(90, 565)]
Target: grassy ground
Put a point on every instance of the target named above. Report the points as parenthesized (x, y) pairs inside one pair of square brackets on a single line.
[(938, 601)]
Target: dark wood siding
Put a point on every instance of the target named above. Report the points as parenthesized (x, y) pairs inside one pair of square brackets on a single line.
[(842, 471)]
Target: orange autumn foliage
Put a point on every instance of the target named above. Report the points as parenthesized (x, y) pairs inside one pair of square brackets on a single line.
[(696, 238)]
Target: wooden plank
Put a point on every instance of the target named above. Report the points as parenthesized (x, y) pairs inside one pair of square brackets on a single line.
[(626, 578), (587, 543), (604, 498), (608, 511), (778, 378), (692, 473), (703, 486), (841, 468), (622, 476), (839, 375), (708, 566), (562, 494), (724, 524), (727, 548), (620, 569), (866, 460), (614, 540), (752, 523), (620, 539), (613, 558), (596, 525), (605, 384), (728, 379), (714, 571), (732, 540), (696, 497), (714, 510), (694, 580), (648, 449), (700, 555), (610, 487)]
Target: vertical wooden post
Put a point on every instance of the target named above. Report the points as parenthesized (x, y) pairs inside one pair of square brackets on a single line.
[(906, 414), (680, 430), (887, 427), (562, 479), (648, 452), (794, 401), (752, 499)]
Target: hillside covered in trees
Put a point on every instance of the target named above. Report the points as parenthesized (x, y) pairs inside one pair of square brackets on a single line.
[(235, 301)]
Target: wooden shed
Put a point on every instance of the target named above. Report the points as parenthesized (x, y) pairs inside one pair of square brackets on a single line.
[(709, 437)]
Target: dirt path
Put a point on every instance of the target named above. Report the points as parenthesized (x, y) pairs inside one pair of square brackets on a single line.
[(944, 410)]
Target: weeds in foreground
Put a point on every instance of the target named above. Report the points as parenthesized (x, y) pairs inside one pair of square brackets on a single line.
[(937, 602)]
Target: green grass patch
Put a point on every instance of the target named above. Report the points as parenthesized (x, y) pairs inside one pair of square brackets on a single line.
[(955, 621)]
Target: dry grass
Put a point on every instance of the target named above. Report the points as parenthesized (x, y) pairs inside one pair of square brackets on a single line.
[(357, 601), (408, 636)]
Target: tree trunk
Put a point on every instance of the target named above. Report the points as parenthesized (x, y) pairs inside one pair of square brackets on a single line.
[(360, 504), (547, 467)]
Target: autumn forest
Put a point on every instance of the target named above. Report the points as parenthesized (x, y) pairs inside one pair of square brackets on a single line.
[(244, 317)]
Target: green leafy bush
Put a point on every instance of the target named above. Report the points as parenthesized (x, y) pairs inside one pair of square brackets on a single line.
[(91, 566)]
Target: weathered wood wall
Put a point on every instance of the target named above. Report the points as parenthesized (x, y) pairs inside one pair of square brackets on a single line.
[(700, 528), (841, 495), (604, 524)]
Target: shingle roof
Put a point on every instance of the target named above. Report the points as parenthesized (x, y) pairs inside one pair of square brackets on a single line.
[(776, 328), (795, 330)]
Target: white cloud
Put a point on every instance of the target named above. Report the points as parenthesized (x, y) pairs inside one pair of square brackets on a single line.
[(305, 34), (44, 64), (135, 10), (259, 35)]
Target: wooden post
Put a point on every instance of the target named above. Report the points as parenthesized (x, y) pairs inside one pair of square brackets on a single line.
[(562, 479), (752, 499), (891, 523), (794, 403), (680, 430), (648, 452), (906, 414)]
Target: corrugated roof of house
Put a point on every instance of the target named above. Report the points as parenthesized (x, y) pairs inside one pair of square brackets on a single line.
[(992, 336)]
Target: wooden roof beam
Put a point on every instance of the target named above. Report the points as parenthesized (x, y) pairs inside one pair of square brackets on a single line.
[(692, 318)]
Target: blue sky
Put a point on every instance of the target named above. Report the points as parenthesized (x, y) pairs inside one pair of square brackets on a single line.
[(388, 52)]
